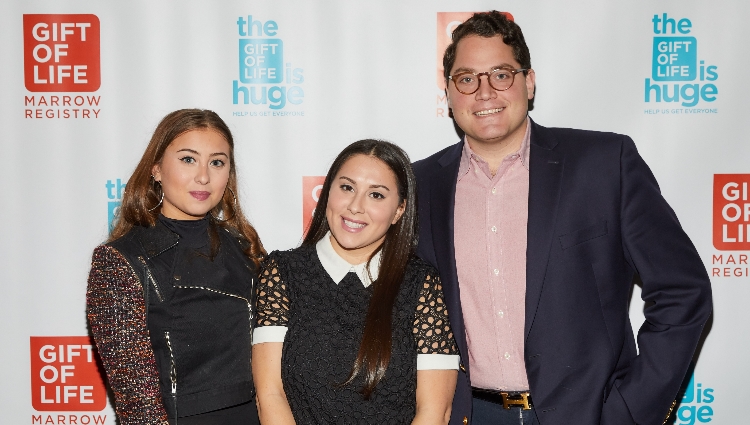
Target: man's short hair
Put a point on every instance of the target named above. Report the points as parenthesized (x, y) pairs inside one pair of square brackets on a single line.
[(489, 24)]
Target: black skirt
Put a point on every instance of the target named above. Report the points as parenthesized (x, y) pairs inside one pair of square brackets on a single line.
[(242, 414)]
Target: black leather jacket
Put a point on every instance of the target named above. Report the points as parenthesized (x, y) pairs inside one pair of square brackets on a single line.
[(199, 317)]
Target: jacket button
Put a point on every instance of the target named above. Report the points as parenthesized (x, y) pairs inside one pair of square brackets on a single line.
[(461, 366), (177, 277), (466, 420)]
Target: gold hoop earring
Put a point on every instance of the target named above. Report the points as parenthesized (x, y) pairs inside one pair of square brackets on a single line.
[(222, 220)]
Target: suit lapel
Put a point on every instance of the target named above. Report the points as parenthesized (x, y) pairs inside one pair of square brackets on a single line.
[(545, 177), (442, 202)]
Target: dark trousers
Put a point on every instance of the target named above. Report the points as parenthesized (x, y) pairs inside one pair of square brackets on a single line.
[(489, 413)]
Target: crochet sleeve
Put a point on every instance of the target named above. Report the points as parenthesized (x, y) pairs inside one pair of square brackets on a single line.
[(116, 312), (273, 300), (432, 329)]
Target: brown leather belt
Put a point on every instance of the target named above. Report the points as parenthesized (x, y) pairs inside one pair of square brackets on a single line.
[(507, 399)]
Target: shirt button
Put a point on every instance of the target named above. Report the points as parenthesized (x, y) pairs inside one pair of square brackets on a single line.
[(476, 170), (494, 229), (494, 189), (496, 271), (501, 314), (507, 356)]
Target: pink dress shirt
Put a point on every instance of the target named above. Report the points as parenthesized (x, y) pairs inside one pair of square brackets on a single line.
[(491, 213)]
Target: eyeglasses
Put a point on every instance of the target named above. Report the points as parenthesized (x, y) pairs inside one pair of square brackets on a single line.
[(500, 79)]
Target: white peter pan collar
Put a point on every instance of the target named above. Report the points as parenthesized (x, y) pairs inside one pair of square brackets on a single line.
[(337, 267)]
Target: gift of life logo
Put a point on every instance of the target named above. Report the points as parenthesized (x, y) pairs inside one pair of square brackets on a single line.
[(265, 78), (731, 212), (446, 23), (731, 225), (65, 375), (115, 190), (675, 61), (61, 54), (695, 404), (311, 187)]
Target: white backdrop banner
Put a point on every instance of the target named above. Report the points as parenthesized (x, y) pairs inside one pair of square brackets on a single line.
[(84, 83)]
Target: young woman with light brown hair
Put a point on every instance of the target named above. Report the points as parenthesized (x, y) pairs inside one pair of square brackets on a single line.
[(170, 294)]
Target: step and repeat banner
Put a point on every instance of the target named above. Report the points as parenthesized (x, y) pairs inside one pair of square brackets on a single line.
[(84, 83)]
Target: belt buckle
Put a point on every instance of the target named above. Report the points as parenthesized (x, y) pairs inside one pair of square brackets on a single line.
[(522, 402)]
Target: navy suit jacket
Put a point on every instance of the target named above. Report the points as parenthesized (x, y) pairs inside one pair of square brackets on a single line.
[(596, 219)]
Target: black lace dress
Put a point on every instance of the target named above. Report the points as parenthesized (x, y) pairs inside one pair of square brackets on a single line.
[(325, 321)]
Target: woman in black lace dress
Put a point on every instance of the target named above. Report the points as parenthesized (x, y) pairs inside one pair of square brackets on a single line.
[(351, 326)]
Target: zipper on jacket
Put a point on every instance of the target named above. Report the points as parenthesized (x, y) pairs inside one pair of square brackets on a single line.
[(172, 374), (167, 248), (250, 309), (247, 301), (137, 276), (249, 304), (151, 279)]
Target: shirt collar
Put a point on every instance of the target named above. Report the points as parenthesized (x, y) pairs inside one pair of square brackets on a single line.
[(465, 165), (337, 267)]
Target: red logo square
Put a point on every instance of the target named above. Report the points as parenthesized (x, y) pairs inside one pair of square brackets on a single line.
[(731, 212), (311, 187), (61, 53), (65, 375)]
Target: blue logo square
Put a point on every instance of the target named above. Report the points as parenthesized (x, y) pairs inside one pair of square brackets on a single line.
[(261, 61), (114, 210), (675, 59)]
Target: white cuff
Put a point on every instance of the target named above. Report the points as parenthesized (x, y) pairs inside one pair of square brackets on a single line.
[(269, 334), (438, 361)]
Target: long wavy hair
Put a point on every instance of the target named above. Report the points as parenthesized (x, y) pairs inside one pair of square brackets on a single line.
[(397, 248), (141, 201)]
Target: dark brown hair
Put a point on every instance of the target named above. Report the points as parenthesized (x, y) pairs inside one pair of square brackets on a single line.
[(490, 24), (397, 248), (141, 200)]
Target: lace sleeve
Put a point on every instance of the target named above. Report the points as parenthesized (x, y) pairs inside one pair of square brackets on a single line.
[(117, 314), (432, 329), (273, 300)]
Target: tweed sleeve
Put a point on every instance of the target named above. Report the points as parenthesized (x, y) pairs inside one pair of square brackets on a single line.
[(116, 312)]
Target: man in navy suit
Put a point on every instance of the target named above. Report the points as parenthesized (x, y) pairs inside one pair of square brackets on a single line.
[(538, 233)]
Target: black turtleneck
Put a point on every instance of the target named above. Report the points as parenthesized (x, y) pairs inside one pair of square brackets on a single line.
[(193, 240), (192, 233)]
